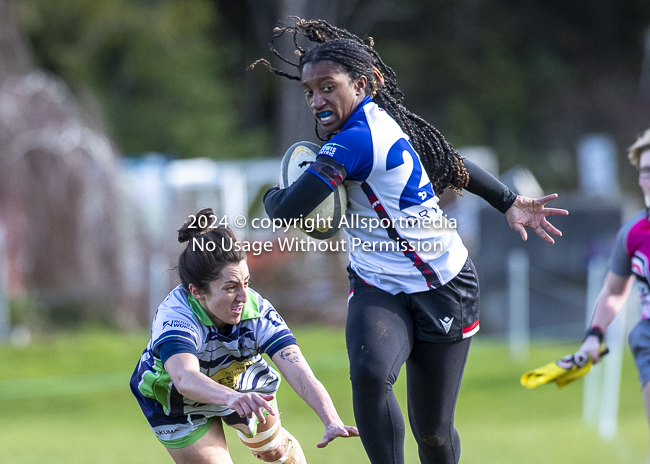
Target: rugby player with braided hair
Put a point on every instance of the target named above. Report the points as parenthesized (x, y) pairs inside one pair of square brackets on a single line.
[(413, 305)]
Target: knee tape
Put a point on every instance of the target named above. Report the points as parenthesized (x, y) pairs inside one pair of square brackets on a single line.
[(292, 450), (271, 439), (264, 441)]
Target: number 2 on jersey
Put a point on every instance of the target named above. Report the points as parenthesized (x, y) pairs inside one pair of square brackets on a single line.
[(413, 194)]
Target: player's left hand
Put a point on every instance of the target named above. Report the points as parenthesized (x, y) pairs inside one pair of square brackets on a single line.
[(592, 346), (335, 431), (531, 213), (563, 371)]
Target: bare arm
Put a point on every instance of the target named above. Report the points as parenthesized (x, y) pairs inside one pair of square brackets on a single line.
[(183, 368), (293, 366), (612, 296)]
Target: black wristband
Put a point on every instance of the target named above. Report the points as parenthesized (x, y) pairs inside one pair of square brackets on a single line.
[(597, 331)]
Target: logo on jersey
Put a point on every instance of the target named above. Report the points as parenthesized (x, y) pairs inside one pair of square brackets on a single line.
[(273, 316), (230, 376), (166, 432), (330, 148), (446, 323), (178, 325)]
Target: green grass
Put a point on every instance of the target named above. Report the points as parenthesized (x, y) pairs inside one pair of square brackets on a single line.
[(65, 399)]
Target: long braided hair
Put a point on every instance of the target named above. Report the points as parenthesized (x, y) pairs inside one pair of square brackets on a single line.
[(355, 58)]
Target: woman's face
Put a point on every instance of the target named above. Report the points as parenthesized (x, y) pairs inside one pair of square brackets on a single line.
[(330, 93), (225, 298)]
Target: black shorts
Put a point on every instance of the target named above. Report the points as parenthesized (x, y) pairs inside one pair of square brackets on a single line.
[(446, 314)]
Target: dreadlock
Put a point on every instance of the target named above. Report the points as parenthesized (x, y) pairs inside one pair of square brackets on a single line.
[(355, 58)]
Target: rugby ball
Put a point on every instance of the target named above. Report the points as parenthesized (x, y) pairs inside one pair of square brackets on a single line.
[(297, 160)]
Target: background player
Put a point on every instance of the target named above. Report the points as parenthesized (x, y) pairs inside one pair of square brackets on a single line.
[(204, 366), (629, 259)]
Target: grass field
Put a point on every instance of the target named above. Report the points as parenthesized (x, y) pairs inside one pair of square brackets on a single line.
[(65, 399)]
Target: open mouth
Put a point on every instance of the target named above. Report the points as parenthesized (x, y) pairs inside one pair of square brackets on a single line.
[(324, 117), (236, 309)]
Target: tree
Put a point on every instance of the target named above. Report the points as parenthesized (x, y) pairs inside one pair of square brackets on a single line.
[(153, 69)]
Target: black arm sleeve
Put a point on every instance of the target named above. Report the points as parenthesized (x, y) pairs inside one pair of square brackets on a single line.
[(301, 197), (488, 187)]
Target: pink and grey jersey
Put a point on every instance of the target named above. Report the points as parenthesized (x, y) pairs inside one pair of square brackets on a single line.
[(631, 255), (386, 181)]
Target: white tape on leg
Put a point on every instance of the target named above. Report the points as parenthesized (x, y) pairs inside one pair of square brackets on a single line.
[(264, 441), (292, 452), (261, 436), (273, 444)]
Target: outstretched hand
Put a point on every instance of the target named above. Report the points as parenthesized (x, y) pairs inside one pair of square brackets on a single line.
[(335, 431), (531, 213)]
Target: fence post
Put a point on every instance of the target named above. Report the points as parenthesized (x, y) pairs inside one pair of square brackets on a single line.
[(602, 385), (612, 367), (4, 308), (592, 383), (519, 296)]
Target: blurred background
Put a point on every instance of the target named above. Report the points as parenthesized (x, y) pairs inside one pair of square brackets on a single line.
[(119, 118)]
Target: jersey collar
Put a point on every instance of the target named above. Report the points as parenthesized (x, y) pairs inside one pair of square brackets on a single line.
[(198, 311), (367, 99)]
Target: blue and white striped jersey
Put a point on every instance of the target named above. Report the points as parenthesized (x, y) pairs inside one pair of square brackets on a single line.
[(233, 359), (412, 251)]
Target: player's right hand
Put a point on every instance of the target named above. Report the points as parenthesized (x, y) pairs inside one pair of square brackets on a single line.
[(247, 404)]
